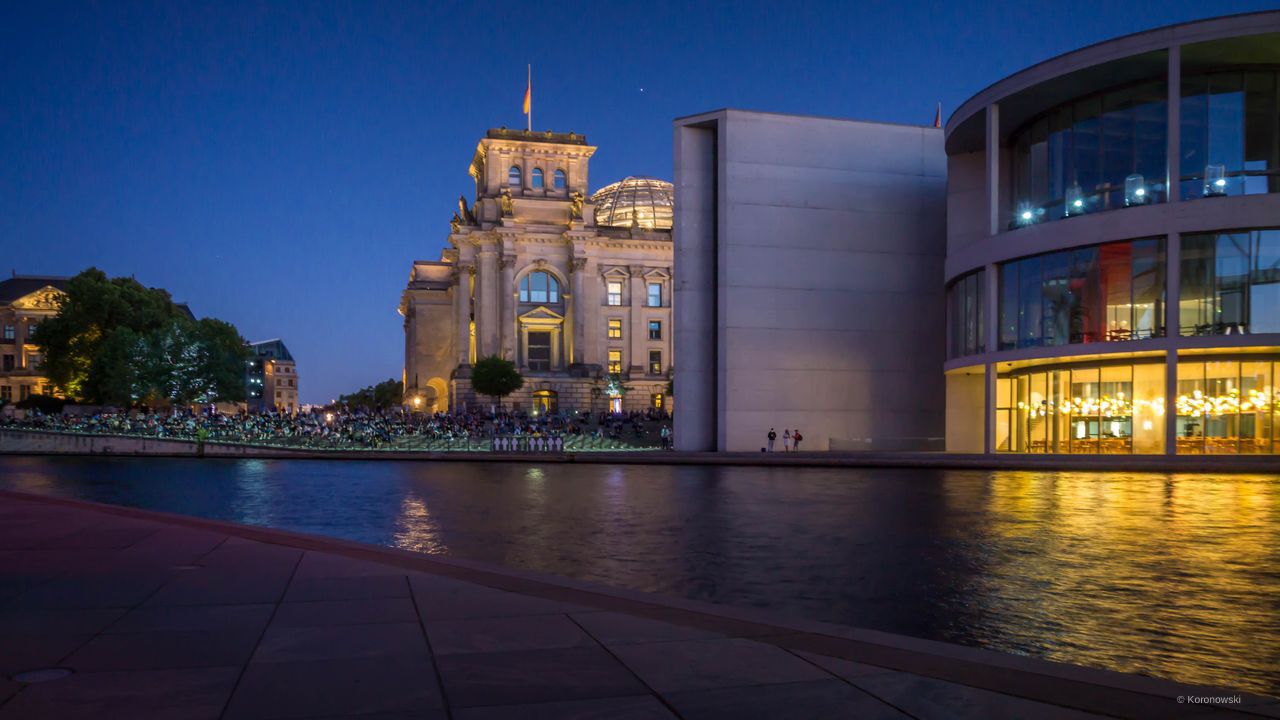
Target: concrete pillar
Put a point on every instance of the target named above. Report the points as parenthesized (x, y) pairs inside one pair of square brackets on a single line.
[(1172, 329), (1173, 183), (507, 297), (638, 293), (993, 167), (695, 236), (462, 311), (578, 268), (991, 308), (487, 305), (989, 412)]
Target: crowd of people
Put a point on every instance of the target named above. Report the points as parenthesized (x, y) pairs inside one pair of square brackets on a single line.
[(341, 427)]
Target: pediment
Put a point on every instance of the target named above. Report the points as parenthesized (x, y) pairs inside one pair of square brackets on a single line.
[(616, 272), (657, 274), (542, 314), (46, 298)]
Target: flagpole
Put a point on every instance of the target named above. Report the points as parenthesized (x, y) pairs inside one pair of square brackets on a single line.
[(529, 116)]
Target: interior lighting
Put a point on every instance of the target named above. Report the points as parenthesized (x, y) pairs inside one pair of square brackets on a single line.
[(1135, 190), (1215, 180), (1075, 201)]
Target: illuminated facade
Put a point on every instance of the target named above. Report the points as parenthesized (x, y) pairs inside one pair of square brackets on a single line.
[(1113, 249), (271, 377), (572, 288), (25, 302)]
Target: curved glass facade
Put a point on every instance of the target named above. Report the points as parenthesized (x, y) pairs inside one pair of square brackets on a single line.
[(1227, 406), (965, 328), (1230, 283), (1103, 293), (1230, 133), (1110, 408), (1101, 152)]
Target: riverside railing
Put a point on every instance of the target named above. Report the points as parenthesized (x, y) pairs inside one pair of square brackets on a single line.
[(527, 443)]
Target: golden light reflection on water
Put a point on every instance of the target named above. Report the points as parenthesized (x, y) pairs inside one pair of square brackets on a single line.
[(415, 529), (1088, 569)]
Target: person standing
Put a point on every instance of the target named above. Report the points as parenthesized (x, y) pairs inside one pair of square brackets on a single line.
[(795, 439), (772, 436), (786, 440)]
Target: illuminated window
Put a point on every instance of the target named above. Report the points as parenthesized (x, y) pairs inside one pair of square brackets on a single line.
[(657, 401), (536, 179), (655, 294), (615, 329), (655, 362), (655, 329), (615, 361), (615, 292), (539, 287), (560, 180), (514, 178), (9, 331)]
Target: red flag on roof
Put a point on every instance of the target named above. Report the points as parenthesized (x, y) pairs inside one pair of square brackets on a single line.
[(937, 118)]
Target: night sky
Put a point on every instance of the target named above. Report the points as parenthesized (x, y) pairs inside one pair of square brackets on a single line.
[(280, 166)]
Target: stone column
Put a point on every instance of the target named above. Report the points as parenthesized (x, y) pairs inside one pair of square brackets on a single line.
[(462, 311), (487, 304), (1172, 331), (578, 266), (506, 296), (638, 357)]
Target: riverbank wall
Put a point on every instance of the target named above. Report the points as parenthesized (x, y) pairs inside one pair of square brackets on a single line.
[(39, 442)]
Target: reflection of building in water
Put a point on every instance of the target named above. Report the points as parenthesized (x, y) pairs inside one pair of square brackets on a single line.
[(1095, 306), (572, 289)]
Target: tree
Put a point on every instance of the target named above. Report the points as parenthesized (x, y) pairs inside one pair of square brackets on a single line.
[(495, 377), (386, 394), (116, 342)]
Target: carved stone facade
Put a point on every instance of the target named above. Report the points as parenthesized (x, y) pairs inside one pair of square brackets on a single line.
[(25, 302), (528, 275)]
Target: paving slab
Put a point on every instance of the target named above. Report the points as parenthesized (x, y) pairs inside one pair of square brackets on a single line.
[(505, 634), (639, 707), (223, 647), (198, 694), (534, 676), (297, 644), (815, 699), (716, 663), (326, 688), (345, 612), (160, 618)]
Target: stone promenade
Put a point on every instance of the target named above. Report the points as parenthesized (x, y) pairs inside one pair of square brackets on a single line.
[(158, 616)]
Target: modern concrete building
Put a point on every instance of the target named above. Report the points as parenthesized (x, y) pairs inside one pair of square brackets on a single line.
[(809, 258), (25, 302), (271, 377), (1113, 248), (570, 288)]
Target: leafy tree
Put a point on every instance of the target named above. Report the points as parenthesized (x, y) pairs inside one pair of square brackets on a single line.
[(117, 342), (495, 377), (386, 394)]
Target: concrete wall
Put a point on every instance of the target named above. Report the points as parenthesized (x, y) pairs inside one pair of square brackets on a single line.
[(966, 405), (829, 241), (48, 443)]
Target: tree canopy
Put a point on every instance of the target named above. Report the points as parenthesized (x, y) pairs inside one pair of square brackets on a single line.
[(386, 394), (116, 342), (495, 377)]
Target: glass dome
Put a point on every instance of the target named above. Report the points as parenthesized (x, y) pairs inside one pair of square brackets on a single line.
[(647, 202)]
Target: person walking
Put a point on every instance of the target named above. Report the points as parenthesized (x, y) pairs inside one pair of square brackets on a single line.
[(772, 436), (795, 440), (786, 441)]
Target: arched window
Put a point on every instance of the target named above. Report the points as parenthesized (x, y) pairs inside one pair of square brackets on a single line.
[(560, 180), (539, 287), (537, 178), (514, 178)]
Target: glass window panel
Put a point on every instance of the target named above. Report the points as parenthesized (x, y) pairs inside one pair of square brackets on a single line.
[(1219, 409), (1264, 282), (560, 182), (1009, 310), (1190, 408), (1055, 301), (1226, 126), (1148, 408), (1030, 319), (1115, 273), (1194, 134), (1261, 130), (1086, 146), (514, 177), (1150, 124), (1086, 313), (1085, 393), (1196, 302), (1117, 144), (1231, 267), (1255, 408), (524, 289), (1116, 410), (1148, 288)]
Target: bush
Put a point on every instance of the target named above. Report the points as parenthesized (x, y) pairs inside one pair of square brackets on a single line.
[(44, 403)]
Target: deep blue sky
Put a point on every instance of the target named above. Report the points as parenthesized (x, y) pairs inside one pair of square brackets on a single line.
[(279, 165)]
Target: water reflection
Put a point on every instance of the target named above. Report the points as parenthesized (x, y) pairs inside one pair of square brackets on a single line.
[(1170, 575)]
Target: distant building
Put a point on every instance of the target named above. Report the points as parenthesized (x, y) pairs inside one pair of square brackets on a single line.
[(25, 302), (271, 377), (569, 287)]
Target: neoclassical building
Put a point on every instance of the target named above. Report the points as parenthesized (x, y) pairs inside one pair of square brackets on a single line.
[(574, 288), (25, 302)]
